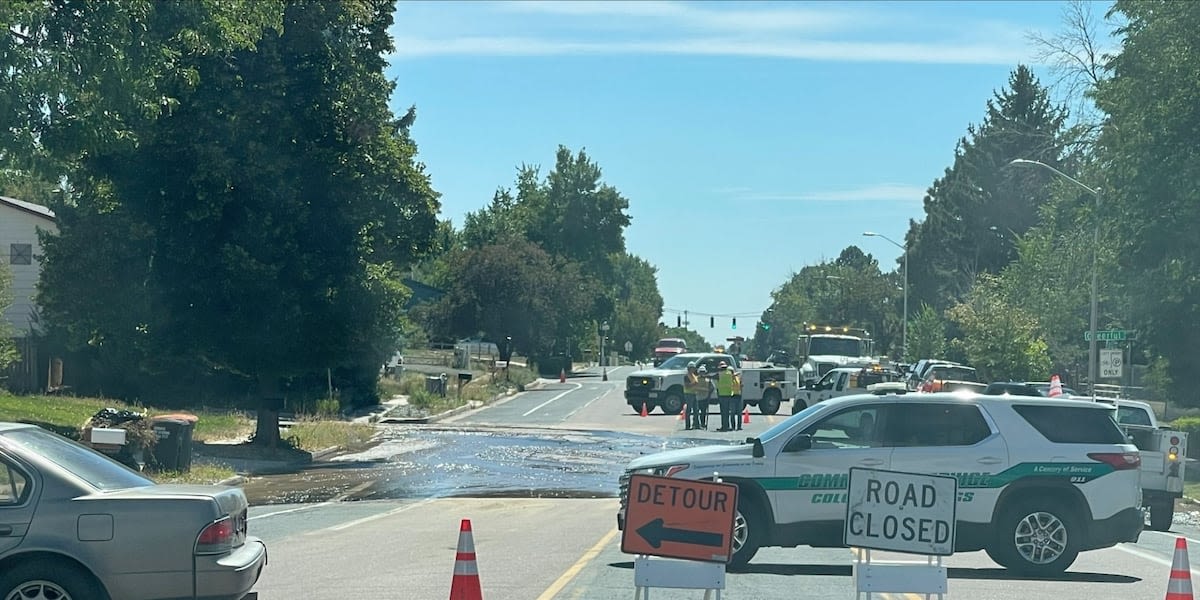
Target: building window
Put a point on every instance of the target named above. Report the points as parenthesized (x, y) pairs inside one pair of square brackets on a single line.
[(20, 254)]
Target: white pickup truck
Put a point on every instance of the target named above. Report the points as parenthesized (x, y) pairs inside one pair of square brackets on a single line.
[(1163, 452), (764, 386)]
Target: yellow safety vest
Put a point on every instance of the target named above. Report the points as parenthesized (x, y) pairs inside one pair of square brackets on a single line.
[(693, 384), (725, 384)]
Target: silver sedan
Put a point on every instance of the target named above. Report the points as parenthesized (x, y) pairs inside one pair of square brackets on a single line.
[(77, 525)]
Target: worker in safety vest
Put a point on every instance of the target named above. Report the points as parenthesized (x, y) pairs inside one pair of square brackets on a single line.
[(695, 387), (728, 390)]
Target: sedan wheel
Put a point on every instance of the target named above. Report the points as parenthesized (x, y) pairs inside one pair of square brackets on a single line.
[(47, 581)]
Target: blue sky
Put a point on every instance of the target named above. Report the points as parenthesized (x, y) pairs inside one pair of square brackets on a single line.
[(751, 139)]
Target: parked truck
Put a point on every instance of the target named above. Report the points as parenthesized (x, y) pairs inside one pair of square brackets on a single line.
[(766, 387), (823, 347), (1164, 456)]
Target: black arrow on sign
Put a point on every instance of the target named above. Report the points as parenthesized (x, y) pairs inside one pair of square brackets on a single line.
[(655, 533)]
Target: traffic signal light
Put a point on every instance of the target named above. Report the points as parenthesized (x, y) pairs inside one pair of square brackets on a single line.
[(712, 322), (678, 321), (766, 326), (734, 325)]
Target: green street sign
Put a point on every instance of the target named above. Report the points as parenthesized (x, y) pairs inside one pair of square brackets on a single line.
[(1112, 335)]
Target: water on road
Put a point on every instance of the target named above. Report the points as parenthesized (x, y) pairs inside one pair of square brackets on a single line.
[(441, 462)]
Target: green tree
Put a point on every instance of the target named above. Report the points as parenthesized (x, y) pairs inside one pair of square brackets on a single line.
[(8, 350), (638, 305), (977, 209), (1151, 164), (999, 339), (264, 221), (926, 335)]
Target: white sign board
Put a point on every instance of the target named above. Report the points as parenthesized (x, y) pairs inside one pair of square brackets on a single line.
[(1110, 363), (902, 512), (628, 347)]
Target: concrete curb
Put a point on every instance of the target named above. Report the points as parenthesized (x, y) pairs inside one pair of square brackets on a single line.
[(233, 481)]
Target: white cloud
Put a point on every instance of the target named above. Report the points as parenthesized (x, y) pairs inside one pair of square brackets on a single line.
[(890, 52), (883, 192), (818, 32)]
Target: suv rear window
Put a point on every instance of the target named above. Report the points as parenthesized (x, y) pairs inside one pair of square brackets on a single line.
[(1071, 425)]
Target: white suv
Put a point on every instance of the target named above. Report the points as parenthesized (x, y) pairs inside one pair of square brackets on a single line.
[(1039, 479)]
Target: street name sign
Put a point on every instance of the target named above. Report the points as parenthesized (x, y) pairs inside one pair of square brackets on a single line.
[(901, 512), (680, 518), (1112, 335)]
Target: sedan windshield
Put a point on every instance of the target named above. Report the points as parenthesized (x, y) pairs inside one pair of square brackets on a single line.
[(95, 469)]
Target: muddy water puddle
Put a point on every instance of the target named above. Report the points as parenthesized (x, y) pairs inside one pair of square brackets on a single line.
[(435, 461)]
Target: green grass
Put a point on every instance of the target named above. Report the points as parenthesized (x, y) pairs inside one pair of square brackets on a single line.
[(200, 473), (316, 434), (66, 412), (1191, 490)]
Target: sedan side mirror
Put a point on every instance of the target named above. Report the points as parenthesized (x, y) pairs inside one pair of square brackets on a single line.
[(798, 443)]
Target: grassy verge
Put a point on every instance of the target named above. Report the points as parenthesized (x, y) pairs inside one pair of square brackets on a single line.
[(65, 412), (482, 389), (317, 434), (200, 473), (1191, 490)]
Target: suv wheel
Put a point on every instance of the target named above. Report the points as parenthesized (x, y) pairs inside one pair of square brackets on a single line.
[(769, 404), (672, 404), (1036, 537), (748, 531)]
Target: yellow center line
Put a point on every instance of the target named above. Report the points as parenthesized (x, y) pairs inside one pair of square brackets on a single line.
[(583, 561)]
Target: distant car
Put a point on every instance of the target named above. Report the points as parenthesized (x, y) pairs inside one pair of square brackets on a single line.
[(77, 525)]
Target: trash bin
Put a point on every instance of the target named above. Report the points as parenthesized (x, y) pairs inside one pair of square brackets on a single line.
[(435, 385), (173, 448)]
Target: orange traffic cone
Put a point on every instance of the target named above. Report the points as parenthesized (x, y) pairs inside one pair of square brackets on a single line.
[(746, 416), (1179, 586), (562, 376), (644, 413), (683, 412), (465, 585), (1055, 386)]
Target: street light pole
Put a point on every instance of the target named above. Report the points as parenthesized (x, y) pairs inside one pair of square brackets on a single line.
[(1092, 354), (904, 325), (603, 359)]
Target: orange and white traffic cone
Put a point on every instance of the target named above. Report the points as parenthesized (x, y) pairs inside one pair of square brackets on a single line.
[(746, 416), (1179, 587), (644, 412), (562, 376), (465, 585), (683, 412), (1055, 386)]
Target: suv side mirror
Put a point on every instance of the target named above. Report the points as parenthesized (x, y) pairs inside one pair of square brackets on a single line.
[(798, 443)]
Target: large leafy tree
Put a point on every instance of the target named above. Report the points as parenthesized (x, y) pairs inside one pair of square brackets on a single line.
[(1000, 340), (263, 221), (977, 209), (8, 350), (1151, 163), (638, 305)]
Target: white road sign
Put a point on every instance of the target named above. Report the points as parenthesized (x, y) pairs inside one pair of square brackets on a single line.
[(629, 346), (1111, 363), (902, 512)]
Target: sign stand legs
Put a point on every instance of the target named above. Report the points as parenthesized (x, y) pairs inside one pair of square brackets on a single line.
[(870, 578), (651, 572)]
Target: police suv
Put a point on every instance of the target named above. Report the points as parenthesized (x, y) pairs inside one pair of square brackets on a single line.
[(1039, 479)]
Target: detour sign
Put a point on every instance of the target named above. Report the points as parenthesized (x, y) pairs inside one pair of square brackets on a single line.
[(680, 518)]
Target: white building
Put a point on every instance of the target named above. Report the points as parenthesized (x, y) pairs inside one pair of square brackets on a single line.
[(22, 255)]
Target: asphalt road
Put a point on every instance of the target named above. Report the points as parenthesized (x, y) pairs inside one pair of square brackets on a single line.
[(538, 549)]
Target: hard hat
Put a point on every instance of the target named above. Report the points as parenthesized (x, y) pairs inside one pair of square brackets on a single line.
[(692, 365), (723, 365), (703, 369)]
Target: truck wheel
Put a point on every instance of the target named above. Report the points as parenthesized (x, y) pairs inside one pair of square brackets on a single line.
[(1162, 512), (798, 405), (769, 404), (1036, 537), (748, 531), (672, 403)]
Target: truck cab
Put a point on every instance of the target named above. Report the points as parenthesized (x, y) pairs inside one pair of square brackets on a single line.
[(824, 347)]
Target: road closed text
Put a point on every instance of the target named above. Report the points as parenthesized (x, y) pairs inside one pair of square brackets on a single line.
[(901, 511)]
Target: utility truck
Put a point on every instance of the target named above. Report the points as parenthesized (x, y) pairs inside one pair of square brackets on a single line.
[(823, 347), (1164, 456), (766, 386)]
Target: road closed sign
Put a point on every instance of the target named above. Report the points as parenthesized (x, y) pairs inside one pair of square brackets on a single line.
[(680, 518), (902, 512)]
